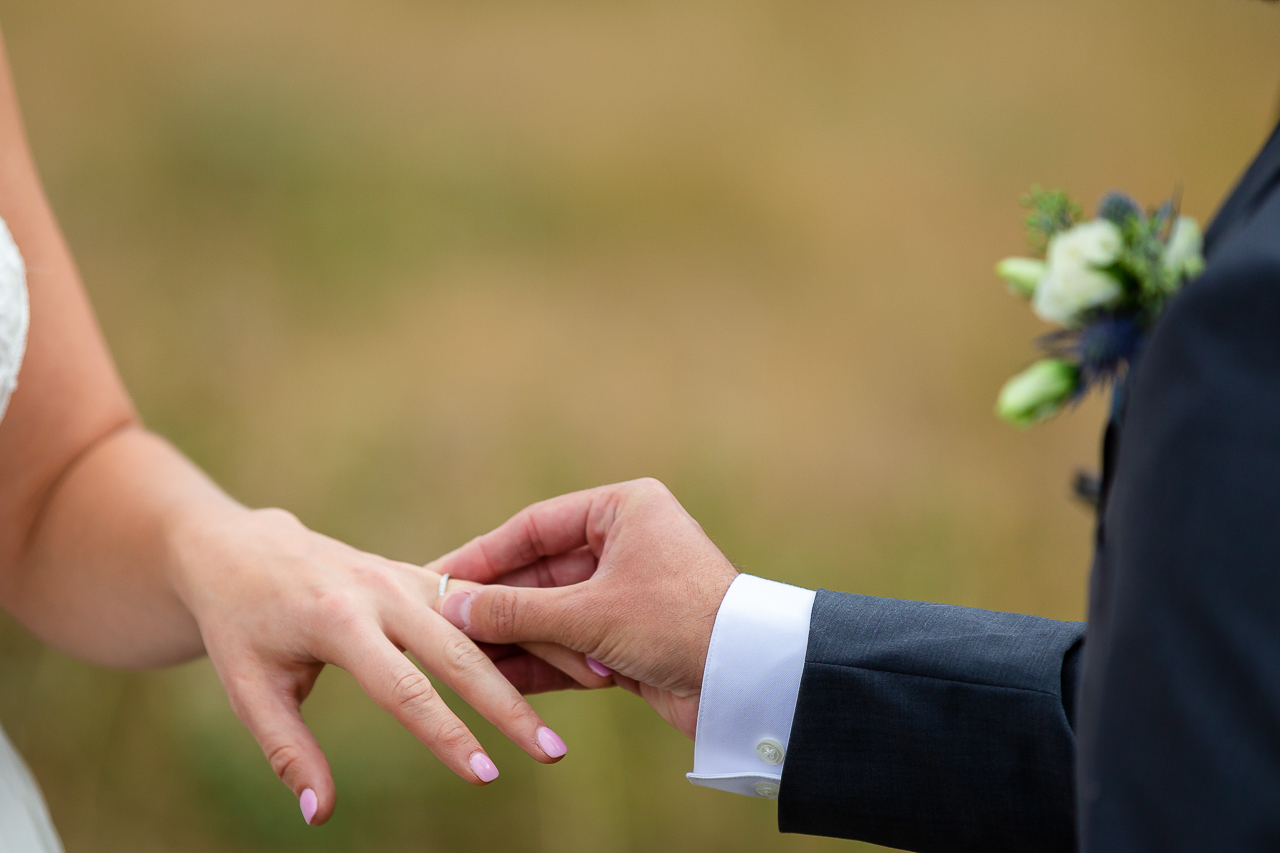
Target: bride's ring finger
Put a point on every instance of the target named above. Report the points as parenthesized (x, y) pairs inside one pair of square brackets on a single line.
[(438, 585), (571, 663)]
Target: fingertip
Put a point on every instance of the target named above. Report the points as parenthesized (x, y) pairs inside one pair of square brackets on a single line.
[(484, 768), (309, 803), (598, 668), (317, 801), (551, 743), (291, 749), (592, 680)]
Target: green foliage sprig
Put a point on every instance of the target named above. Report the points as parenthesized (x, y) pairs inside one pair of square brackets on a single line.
[(1050, 213)]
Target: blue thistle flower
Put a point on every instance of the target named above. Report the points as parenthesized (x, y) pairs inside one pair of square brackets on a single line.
[(1101, 347), (1118, 208)]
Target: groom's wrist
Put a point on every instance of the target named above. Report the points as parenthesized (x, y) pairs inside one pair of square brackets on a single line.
[(750, 686)]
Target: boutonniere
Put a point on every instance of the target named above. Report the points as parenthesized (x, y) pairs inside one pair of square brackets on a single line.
[(1103, 283)]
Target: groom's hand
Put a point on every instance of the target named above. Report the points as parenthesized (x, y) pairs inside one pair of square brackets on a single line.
[(620, 573)]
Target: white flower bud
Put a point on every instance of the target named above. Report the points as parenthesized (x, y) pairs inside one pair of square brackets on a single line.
[(1037, 392), (1076, 281), (1022, 274), (1183, 254)]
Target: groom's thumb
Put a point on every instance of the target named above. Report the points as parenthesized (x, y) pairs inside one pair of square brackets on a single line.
[(507, 614)]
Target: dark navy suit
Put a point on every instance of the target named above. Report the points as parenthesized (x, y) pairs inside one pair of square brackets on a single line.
[(939, 728)]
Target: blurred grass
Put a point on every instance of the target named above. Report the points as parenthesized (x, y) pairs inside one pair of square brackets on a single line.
[(406, 267)]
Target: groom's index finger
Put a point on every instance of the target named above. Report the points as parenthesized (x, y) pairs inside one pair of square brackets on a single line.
[(565, 569), (544, 529)]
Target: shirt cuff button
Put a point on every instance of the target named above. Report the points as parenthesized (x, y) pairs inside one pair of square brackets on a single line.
[(768, 790), (770, 751)]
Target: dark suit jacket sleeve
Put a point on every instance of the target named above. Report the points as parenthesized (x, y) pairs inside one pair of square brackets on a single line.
[(931, 727), (1180, 718)]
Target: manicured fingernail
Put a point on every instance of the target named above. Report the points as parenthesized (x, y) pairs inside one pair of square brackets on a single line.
[(308, 804), (551, 743), (598, 668), (456, 607), (485, 769)]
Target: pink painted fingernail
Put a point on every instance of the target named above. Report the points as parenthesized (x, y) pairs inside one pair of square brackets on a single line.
[(551, 743), (456, 607), (485, 769), (307, 802), (598, 668)]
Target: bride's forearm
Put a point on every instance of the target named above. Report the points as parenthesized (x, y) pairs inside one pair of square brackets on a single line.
[(100, 574)]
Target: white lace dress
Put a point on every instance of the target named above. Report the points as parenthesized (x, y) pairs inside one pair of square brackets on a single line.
[(24, 821)]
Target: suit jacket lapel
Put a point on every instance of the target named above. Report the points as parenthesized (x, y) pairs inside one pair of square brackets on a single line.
[(1253, 188), (1262, 177)]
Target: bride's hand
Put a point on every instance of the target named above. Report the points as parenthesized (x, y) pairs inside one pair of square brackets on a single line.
[(275, 602)]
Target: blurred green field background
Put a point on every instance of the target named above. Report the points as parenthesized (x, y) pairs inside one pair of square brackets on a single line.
[(404, 267)]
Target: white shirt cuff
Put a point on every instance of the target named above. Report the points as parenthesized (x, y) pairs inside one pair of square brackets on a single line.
[(750, 686)]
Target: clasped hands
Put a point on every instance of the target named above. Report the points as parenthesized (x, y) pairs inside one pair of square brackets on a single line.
[(621, 574), (614, 585)]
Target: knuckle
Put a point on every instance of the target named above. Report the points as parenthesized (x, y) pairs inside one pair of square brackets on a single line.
[(652, 486), (461, 655), (533, 544), (514, 707), (334, 610), (411, 690), (504, 613), (276, 515), (452, 736), (383, 579), (284, 758)]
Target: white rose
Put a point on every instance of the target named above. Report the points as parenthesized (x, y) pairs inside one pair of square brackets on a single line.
[(1183, 253), (1075, 281)]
